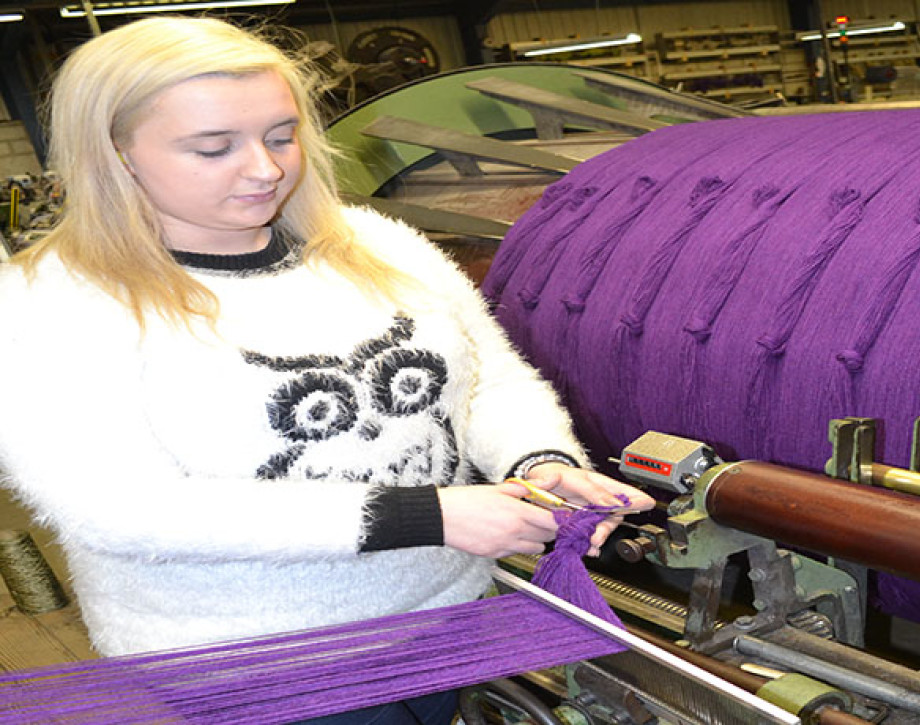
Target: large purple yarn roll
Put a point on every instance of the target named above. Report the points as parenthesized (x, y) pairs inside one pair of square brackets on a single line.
[(740, 282)]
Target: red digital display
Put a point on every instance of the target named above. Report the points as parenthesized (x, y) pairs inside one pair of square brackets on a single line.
[(648, 464)]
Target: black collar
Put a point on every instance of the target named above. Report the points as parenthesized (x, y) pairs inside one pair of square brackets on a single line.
[(275, 251)]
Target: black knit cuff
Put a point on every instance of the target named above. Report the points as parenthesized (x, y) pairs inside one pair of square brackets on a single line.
[(523, 465), (399, 517)]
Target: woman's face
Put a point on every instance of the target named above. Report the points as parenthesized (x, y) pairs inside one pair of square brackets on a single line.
[(217, 157)]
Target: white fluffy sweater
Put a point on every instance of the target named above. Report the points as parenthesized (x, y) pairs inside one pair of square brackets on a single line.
[(214, 486)]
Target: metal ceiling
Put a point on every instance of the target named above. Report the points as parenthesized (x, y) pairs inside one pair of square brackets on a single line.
[(310, 12), (30, 50), (46, 33)]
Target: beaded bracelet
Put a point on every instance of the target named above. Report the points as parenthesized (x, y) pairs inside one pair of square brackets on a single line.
[(522, 467)]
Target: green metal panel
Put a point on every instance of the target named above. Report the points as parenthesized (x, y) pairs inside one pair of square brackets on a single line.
[(366, 163)]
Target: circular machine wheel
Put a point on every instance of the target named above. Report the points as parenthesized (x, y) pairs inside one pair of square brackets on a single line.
[(411, 53), (503, 695)]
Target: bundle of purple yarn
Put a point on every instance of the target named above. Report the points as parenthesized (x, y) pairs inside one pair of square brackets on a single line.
[(740, 282)]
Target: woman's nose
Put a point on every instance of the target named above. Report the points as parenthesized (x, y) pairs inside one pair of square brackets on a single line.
[(261, 164)]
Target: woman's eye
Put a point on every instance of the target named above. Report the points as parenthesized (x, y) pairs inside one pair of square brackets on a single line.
[(214, 154), (280, 142)]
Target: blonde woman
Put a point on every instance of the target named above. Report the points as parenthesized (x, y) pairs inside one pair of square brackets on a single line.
[(243, 407)]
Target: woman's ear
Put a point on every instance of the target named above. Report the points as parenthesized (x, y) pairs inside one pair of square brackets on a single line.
[(124, 160)]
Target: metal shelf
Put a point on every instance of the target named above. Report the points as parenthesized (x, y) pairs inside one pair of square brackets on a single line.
[(705, 32), (740, 90), (866, 58), (610, 60), (718, 73), (683, 55), (695, 55)]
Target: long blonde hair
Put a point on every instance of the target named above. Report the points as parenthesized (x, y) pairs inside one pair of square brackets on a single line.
[(109, 231)]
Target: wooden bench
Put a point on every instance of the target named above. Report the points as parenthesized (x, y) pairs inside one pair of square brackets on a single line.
[(552, 112), (463, 150)]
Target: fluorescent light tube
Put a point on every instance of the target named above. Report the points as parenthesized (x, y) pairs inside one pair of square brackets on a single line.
[(586, 45), (858, 30), (72, 11)]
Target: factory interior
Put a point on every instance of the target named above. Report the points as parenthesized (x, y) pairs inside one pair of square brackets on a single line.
[(699, 219)]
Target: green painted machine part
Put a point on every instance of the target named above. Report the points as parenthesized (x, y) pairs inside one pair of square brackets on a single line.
[(443, 100), (367, 164), (802, 695)]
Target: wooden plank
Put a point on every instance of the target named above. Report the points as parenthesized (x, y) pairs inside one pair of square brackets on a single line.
[(391, 128), (28, 641), (435, 220), (552, 111), (35, 640)]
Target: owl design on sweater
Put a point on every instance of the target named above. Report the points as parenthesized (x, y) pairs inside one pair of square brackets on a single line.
[(376, 416)]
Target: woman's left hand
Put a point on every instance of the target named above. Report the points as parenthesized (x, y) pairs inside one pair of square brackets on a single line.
[(585, 487)]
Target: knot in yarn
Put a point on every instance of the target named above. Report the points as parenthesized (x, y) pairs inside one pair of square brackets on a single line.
[(704, 187), (635, 326), (763, 194), (579, 196), (841, 199), (529, 299), (575, 528), (699, 329), (641, 186), (852, 360), (774, 347), (574, 304), (563, 573), (553, 192)]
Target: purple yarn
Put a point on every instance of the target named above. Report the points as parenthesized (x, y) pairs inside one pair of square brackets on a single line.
[(740, 282), (331, 670), (562, 571), (307, 674)]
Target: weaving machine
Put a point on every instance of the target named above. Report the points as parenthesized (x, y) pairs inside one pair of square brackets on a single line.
[(800, 643), (740, 282), (804, 614), (736, 283)]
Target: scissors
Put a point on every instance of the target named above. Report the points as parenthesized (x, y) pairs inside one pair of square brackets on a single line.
[(551, 501)]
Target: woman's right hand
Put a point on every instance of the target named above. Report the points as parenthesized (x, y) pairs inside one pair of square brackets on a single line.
[(493, 521)]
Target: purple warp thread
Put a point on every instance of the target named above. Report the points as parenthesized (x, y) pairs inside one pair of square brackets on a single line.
[(563, 573), (323, 671), (740, 282)]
